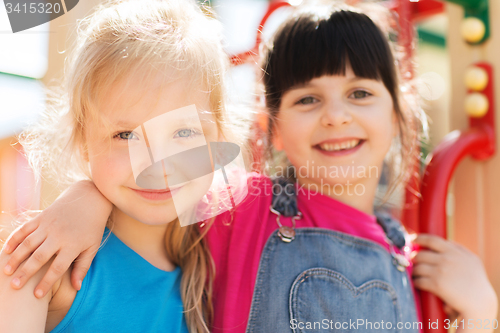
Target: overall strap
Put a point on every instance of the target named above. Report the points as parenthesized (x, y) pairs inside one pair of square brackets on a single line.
[(393, 229), (285, 203), (284, 197)]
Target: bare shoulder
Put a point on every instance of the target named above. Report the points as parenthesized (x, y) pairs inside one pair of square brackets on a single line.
[(16, 305), (44, 314)]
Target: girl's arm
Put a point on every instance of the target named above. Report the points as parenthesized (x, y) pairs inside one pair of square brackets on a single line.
[(457, 276), (20, 311), (71, 228)]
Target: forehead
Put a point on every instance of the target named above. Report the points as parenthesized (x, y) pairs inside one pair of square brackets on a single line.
[(137, 98), (310, 46), (335, 80)]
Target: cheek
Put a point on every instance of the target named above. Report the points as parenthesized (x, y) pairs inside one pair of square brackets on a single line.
[(109, 167), (296, 131), (382, 130), (211, 131)]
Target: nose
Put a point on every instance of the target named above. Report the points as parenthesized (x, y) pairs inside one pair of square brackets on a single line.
[(168, 169), (335, 113), (153, 177)]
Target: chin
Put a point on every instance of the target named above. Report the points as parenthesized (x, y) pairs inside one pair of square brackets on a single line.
[(337, 182), (154, 217)]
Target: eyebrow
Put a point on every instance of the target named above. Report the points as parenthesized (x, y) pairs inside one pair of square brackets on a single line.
[(175, 122), (124, 124), (309, 84)]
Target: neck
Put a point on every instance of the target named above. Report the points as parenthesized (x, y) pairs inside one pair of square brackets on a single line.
[(146, 240), (359, 195)]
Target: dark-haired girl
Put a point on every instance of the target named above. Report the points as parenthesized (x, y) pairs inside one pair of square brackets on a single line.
[(308, 252)]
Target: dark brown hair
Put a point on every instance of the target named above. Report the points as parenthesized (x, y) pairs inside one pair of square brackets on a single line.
[(319, 41)]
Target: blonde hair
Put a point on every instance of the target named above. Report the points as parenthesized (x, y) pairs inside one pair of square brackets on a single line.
[(121, 38)]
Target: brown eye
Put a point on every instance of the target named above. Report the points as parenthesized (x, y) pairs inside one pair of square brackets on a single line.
[(307, 100), (359, 94)]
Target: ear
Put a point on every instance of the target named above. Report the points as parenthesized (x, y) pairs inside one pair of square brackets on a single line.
[(263, 120), (277, 139)]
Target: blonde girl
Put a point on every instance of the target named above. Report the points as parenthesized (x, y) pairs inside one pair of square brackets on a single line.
[(133, 61)]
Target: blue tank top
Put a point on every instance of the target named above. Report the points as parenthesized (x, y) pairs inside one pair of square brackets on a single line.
[(124, 293)]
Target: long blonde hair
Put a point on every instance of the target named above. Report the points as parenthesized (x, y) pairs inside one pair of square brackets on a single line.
[(119, 38)]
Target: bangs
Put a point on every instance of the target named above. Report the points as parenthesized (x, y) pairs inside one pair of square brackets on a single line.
[(313, 45)]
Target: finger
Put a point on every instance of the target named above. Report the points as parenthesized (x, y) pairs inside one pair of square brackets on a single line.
[(57, 269), (19, 235), (461, 248), (432, 242), (426, 257), (452, 313), (34, 263), (424, 283), (423, 270), (81, 267), (23, 251)]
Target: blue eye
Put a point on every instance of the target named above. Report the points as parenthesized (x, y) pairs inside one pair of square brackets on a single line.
[(185, 133), (126, 136)]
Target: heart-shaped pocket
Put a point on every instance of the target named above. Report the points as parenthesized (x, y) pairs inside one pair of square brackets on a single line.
[(373, 306)]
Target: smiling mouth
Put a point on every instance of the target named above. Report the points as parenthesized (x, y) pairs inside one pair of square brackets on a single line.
[(339, 146), (157, 194)]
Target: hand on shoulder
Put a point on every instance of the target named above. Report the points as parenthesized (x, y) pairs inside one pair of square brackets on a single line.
[(67, 229)]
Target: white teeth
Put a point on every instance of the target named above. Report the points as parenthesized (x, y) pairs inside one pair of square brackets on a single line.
[(336, 146)]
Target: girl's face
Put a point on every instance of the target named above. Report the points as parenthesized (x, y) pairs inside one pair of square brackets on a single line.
[(126, 108), (336, 131)]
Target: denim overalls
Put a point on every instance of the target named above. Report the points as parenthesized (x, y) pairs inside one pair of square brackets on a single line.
[(324, 280)]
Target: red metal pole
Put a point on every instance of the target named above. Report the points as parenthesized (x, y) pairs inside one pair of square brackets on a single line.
[(478, 142), (454, 147)]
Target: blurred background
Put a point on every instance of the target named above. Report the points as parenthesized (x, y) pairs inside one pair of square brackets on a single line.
[(33, 59)]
